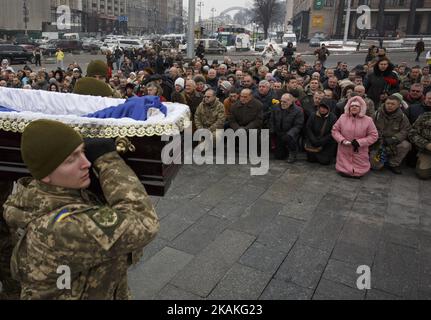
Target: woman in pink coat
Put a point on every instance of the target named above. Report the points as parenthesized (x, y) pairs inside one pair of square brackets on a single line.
[(354, 133)]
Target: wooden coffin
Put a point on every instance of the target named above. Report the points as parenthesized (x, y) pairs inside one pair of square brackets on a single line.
[(145, 161), (145, 156)]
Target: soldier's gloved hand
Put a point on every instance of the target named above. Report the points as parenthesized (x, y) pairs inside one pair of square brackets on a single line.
[(95, 148)]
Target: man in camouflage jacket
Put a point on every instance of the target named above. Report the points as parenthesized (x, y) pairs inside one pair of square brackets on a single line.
[(59, 224), (393, 127), (420, 136)]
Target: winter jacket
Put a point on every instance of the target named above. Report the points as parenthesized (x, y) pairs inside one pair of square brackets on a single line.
[(415, 111), (360, 128), (193, 102), (420, 133), (210, 117), (379, 82), (284, 122), (67, 227), (314, 135), (267, 104), (248, 116), (395, 126)]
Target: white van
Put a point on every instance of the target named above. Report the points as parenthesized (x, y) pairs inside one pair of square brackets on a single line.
[(242, 42), (130, 44), (71, 36), (289, 37)]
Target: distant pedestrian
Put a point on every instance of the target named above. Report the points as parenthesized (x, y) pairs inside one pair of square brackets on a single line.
[(59, 55), (322, 54), (37, 57), (419, 48), (359, 43), (200, 50)]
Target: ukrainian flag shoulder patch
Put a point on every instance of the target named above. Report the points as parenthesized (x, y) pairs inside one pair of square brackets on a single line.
[(64, 213)]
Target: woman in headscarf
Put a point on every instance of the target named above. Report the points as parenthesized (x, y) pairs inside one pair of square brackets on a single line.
[(354, 133)]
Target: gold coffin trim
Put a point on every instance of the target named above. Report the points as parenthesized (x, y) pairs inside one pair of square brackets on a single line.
[(101, 131)]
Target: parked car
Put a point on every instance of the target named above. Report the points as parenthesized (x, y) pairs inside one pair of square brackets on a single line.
[(91, 44), (69, 45), (109, 46), (15, 54), (260, 46), (65, 45), (28, 47), (315, 42), (212, 46)]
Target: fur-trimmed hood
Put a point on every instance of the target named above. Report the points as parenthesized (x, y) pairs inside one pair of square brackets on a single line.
[(358, 100)]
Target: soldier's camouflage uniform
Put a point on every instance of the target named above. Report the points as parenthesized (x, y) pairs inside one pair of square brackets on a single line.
[(66, 227), (210, 117), (10, 287), (420, 136)]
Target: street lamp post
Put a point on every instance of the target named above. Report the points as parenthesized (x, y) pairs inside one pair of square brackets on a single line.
[(213, 10), (25, 16), (347, 22), (191, 29), (254, 35), (200, 5)]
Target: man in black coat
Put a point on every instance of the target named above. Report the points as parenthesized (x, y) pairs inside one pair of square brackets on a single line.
[(320, 146), (286, 124), (246, 113), (417, 110), (265, 95)]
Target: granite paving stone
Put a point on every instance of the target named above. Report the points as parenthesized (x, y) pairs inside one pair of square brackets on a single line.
[(329, 290), (400, 235), (375, 294), (322, 231), (282, 290), (208, 267), (149, 278), (263, 258), (396, 270), (200, 234), (241, 283), (226, 210), (342, 272), (307, 274), (281, 233), (256, 217), (170, 292)]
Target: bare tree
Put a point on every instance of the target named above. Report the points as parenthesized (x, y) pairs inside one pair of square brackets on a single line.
[(264, 13), (243, 17)]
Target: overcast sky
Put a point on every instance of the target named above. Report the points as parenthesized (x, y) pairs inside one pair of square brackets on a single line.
[(219, 5)]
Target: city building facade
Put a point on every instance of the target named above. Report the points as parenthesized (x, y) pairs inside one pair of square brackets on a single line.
[(92, 16), (388, 18)]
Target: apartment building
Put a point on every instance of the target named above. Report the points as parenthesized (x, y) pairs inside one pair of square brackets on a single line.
[(402, 17)]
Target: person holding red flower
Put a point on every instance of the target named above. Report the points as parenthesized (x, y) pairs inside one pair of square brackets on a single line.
[(382, 80)]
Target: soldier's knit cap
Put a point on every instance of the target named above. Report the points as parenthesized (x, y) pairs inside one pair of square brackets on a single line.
[(92, 87), (45, 144), (97, 67)]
